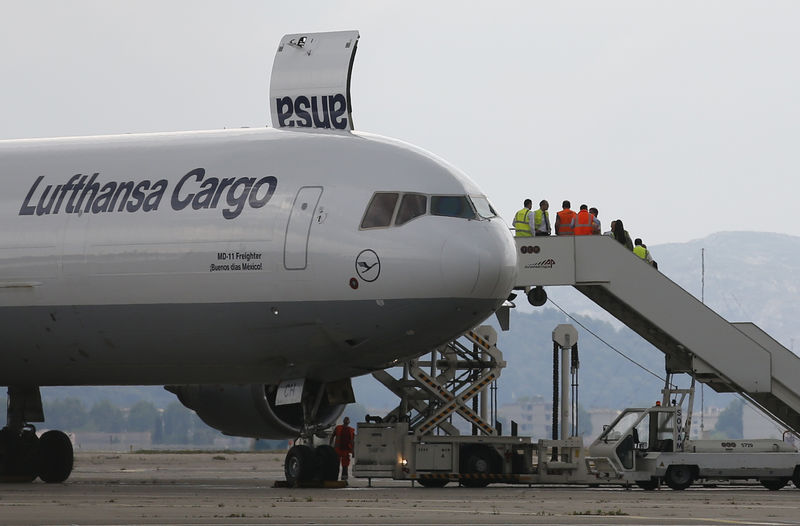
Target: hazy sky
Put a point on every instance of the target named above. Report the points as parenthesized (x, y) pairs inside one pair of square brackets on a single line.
[(681, 118)]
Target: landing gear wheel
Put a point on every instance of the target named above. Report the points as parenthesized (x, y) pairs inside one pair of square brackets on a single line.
[(299, 465), (774, 484), (537, 296), (433, 483), (55, 457), (478, 463), (679, 477), (19, 453), (327, 462), (647, 485), (796, 477)]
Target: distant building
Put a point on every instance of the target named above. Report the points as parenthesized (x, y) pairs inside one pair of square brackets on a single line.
[(533, 416)]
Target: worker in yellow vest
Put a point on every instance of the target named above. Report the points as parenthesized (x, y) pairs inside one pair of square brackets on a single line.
[(640, 249), (523, 220)]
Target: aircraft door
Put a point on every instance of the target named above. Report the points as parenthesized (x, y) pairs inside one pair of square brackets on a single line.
[(295, 249)]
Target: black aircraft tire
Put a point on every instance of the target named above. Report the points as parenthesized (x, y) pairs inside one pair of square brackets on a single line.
[(55, 457), (327, 463), (18, 456), (299, 465), (679, 477)]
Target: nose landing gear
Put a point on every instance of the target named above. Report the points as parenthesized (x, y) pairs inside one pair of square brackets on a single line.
[(306, 463)]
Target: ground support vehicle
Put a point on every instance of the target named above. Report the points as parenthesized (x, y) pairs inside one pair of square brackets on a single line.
[(419, 442), (648, 446), (388, 450)]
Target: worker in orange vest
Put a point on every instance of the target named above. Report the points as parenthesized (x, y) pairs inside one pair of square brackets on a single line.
[(564, 220), (342, 440), (583, 223)]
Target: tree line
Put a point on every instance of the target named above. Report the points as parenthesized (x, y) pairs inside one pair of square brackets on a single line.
[(175, 424)]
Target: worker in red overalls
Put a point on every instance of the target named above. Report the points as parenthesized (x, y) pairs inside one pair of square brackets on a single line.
[(342, 440)]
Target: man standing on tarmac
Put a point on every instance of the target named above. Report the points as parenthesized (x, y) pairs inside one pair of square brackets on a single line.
[(583, 224), (523, 220), (564, 220), (342, 440), (541, 219)]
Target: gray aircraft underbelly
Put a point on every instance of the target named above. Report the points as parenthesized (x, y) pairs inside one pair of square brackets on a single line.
[(222, 342)]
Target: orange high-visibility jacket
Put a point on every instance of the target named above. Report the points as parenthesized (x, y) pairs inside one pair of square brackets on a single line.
[(584, 223), (564, 227)]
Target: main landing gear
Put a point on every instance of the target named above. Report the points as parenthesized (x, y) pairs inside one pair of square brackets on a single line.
[(305, 463), (24, 455)]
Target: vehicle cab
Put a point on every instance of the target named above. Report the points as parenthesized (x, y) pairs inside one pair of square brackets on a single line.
[(628, 448)]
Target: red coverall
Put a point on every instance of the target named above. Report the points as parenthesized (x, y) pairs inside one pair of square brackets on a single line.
[(343, 437)]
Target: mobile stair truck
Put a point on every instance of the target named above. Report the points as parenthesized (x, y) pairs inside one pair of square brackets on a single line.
[(735, 357)]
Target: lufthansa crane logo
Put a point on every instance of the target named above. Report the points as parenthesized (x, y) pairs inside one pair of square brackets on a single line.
[(368, 265)]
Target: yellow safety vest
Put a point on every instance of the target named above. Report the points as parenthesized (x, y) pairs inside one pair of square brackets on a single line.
[(640, 251), (522, 226), (538, 217)]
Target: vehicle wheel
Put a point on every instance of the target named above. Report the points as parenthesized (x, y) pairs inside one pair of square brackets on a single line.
[(475, 483), (679, 477), (537, 296), (327, 463), (648, 485), (55, 457), (479, 461), (433, 483), (299, 465), (774, 484)]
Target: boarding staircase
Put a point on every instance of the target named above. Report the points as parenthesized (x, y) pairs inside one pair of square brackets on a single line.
[(729, 357)]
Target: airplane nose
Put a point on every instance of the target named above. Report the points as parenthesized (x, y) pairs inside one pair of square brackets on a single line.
[(460, 266), (481, 263), (498, 261)]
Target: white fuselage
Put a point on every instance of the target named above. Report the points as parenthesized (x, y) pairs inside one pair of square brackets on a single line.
[(231, 256)]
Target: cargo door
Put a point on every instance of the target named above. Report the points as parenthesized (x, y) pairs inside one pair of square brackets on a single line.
[(295, 249)]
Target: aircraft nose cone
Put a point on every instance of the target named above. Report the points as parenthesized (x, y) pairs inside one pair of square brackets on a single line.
[(498, 262), (480, 264), (460, 266)]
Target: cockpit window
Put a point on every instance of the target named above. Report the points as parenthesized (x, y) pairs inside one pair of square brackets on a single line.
[(411, 206), (380, 210), (452, 206), (483, 207)]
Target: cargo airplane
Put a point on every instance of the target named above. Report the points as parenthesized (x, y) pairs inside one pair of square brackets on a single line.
[(251, 271)]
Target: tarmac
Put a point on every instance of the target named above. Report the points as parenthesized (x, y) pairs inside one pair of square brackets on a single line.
[(238, 488)]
